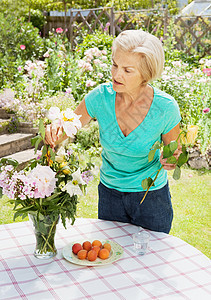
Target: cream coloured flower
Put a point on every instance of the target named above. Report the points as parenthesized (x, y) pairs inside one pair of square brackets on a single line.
[(60, 156), (73, 187), (192, 131)]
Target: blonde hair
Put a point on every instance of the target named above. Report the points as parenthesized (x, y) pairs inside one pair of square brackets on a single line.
[(148, 46)]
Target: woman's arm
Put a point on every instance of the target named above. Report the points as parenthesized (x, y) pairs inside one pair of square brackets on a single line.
[(54, 133), (172, 135)]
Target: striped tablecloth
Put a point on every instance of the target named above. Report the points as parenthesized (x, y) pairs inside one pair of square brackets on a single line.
[(171, 269)]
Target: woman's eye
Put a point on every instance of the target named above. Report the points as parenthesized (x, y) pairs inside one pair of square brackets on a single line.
[(127, 71)]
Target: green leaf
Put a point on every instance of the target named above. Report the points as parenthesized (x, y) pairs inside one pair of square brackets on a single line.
[(9, 161), (1, 194), (37, 143), (53, 154), (151, 155), (44, 151), (42, 129), (144, 184), (183, 158), (177, 173), (166, 151), (34, 139), (156, 145), (173, 145), (171, 160)]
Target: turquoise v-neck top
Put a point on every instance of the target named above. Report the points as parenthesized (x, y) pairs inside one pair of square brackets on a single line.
[(125, 159)]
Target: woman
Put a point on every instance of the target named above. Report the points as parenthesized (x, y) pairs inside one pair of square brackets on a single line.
[(132, 116)]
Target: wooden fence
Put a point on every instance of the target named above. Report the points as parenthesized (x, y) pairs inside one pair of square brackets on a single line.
[(190, 34)]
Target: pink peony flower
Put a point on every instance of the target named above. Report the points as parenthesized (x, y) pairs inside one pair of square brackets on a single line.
[(45, 180), (206, 110), (59, 30), (22, 47)]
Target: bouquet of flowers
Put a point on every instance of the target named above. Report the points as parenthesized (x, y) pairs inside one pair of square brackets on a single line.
[(48, 187)]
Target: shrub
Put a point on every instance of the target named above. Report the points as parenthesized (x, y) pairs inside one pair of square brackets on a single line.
[(19, 41)]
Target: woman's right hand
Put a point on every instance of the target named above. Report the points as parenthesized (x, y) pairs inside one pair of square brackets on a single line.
[(54, 134)]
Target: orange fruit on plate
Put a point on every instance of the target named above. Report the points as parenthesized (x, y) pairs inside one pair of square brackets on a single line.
[(103, 253), (76, 247), (107, 246), (92, 255), (82, 254), (87, 245), (97, 243), (96, 249)]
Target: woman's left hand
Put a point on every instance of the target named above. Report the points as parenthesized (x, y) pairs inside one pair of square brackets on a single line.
[(167, 166)]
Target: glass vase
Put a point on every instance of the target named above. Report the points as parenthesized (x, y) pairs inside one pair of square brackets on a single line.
[(44, 229)]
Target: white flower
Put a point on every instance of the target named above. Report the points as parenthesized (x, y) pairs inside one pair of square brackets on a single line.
[(60, 155), (90, 82), (70, 122), (45, 180), (73, 187), (53, 113)]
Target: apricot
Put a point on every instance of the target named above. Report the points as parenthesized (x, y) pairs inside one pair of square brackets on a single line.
[(82, 254), (96, 249), (107, 246), (87, 245), (97, 243), (103, 253), (76, 247), (92, 255)]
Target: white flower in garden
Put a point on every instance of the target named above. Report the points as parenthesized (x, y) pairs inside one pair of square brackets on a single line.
[(201, 61), (53, 113), (104, 57), (70, 122), (207, 62), (177, 63), (45, 180), (100, 75), (60, 155), (90, 82), (187, 95), (69, 90), (97, 61), (104, 52), (73, 187)]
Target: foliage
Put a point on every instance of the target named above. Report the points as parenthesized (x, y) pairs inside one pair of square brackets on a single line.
[(168, 152), (190, 87), (19, 41), (13, 124), (37, 18), (88, 137)]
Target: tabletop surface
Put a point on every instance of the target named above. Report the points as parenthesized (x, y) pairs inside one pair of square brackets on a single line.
[(171, 269)]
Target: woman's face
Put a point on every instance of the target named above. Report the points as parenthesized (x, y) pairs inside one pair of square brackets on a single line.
[(126, 77)]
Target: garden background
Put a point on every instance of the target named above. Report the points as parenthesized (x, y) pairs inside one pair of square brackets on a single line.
[(38, 72)]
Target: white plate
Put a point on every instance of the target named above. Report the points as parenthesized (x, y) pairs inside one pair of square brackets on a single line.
[(115, 254)]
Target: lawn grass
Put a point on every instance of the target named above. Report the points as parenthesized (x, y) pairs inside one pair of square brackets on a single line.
[(190, 198)]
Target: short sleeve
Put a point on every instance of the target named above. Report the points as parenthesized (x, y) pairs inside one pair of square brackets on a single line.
[(92, 100), (172, 116)]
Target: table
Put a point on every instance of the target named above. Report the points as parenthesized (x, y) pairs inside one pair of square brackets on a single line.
[(171, 269)]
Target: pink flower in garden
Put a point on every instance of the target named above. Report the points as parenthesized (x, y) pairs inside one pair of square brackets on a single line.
[(19, 68), (22, 47), (59, 30), (206, 110), (90, 83), (207, 71), (100, 75)]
